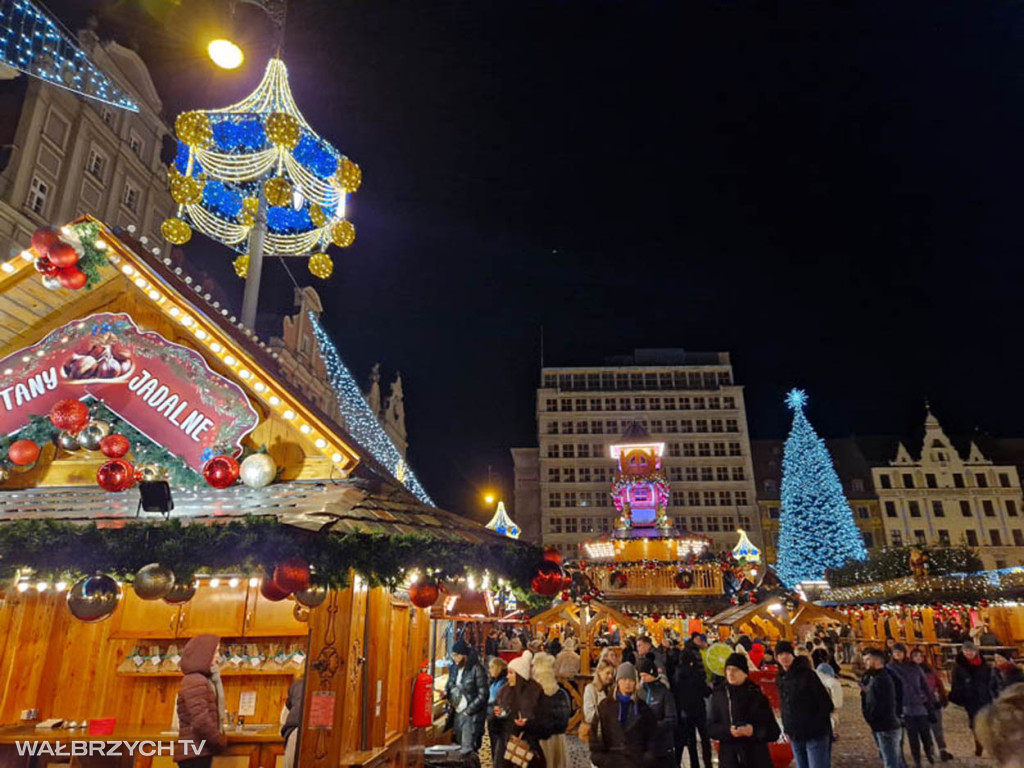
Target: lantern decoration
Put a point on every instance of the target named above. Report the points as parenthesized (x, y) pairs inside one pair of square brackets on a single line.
[(618, 580), (90, 435), (69, 415), (93, 598), (176, 231), (153, 582), (116, 475), (320, 265), (258, 470), (114, 446), (343, 233), (424, 594), (181, 592), (241, 265), (684, 579), (221, 471), (312, 596), (271, 591), (552, 555), (547, 579), (23, 453), (292, 575)]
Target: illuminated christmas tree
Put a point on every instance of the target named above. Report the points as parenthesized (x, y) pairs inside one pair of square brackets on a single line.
[(816, 528)]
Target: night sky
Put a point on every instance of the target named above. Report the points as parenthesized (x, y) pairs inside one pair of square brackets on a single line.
[(829, 191)]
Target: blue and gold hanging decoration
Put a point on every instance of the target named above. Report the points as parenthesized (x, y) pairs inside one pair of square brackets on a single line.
[(228, 157)]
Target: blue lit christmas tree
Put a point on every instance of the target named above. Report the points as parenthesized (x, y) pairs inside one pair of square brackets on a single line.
[(817, 530)]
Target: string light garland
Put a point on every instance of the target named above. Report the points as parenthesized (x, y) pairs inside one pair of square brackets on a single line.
[(262, 145), (360, 420), (817, 530)]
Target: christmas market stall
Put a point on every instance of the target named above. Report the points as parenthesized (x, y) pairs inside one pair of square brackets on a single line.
[(163, 478)]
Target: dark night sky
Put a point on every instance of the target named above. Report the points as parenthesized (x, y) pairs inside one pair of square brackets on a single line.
[(829, 191)]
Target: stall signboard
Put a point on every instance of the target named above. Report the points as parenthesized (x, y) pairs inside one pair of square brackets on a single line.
[(165, 390)]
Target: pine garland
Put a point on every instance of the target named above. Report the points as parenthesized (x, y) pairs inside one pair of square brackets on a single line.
[(92, 258), (894, 563)]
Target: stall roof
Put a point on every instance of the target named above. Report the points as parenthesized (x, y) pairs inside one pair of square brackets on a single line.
[(736, 613)]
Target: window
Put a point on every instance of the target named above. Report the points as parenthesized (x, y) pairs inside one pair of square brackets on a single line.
[(981, 480), (586, 525), (769, 486), (583, 450), (714, 403), (581, 404), (738, 473), (773, 512), (908, 480), (609, 403), (741, 498), (670, 403), (597, 427), (554, 475), (700, 425), (584, 474), (95, 165), (569, 500), (997, 540), (735, 450), (689, 449), (675, 474), (698, 403), (108, 116), (713, 523), (657, 426), (595, 403), (972, 538), (869, 540), (709, 499), (890, 509), (728, 402), (1011, 508), (919, 536), (943, 537), (937, 509), (1018, 537), (929, 480), (56, 128), (707, 474), (958, 480), (568, 451), (567, 428), (1004, 480), (857, 485), (654, 404), (722, 474), (130, 197), (552, 427), (673, 450), (554, 525), (624, 404), (639, 404), (703, 449), (731, 425), (915, 509), (693, 498), (569, 475), (582, 427), (716, 425), (897, 538), (135, 144), (863, 513), (965, 508), (553, 451), (725, 498), (696, 524), (603, 525), (37, 196), (886, 481), (572, 525), (611, 426), (988, 508), (672, 426), (719, 449)]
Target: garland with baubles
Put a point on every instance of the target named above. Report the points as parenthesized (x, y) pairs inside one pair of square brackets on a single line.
[(900, 562), (68, 258)]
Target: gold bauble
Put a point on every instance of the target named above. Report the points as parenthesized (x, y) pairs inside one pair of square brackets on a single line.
[(343, 233), (251, 204), (317, 215), (349, 176), (241, 265), (278, 191), (176, 231), (246, 219), (282, 129), (193, 128), (186, 190), (320, 265), (147, 473)]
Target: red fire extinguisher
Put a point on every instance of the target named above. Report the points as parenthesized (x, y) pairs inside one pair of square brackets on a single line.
[(423, 699)]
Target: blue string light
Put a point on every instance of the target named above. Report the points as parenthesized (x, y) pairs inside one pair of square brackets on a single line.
[(316, 156), (360, 420), (817, 530), (221, 199), (31, 42), (287, 220), (181, 161), (233, 135)]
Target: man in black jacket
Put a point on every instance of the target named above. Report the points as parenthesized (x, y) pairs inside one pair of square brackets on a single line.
[(879, 703), (806, 709), (690, 687), (656, 695), (625, 728), (975, 685), (466, 692)]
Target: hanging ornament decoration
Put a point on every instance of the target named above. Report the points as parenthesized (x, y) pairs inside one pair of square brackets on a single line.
[(258, 470), (90, 435), (68, 441), (684, 579), (343, 233), (282, 129), (185, 189), (93, 598), (271, 591), (317, 215), (292, 575), (552, 555), (69, 259), (241, 265), (153, 582), (147, 473), (311, 597), (62, 255), (116, 475), (424, 593), (114, 446), (69, 415), (547, 579), (23, 453), (193, 129), (176, 231), (221, 471), (46, 267), (278, 191), (43, 239), (181, 592), (72, 278), (349, 175), (320, 265)]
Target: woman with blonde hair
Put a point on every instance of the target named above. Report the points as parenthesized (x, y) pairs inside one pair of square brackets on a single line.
[(556, 710), (1000, 728), (596, 692)]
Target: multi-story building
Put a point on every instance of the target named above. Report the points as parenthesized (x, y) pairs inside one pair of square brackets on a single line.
[(854, 474), (953, 496), (62, 155), (688, 400)]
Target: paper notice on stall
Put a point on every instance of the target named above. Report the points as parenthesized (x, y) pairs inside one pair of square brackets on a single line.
[(321, 711), (247, 703)]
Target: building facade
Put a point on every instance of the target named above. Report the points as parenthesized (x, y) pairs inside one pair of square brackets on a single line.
[(689, 401), (854, 473), (949, 496)]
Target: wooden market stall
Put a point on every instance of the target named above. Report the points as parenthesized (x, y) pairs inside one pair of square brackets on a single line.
[(772, 620), (587, 621), (184, 383)]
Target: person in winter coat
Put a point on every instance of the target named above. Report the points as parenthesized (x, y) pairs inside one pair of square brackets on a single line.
[(656, 695), (624, 734), (999, 728), (974, 685), (1007, 671), (806, 709), (567, 662), (741, 719), (466, 692), (555, 711), (690, 688), (292, 721), (200, 706), (939, 701), (518, 711), (879, 703), (597, 690), (497, 670), (827, 674), (917, 703)]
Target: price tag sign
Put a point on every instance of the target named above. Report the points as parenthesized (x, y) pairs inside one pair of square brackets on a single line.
[(321, 711), (247, 703)]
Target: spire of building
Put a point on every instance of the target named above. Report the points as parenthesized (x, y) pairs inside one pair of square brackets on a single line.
[(373, 395), (394, 415), (502, 523)]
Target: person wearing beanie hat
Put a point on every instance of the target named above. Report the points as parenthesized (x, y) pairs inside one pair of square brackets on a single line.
[(624, 730), (783, 646), (656, 695), (741, 719), (690, 688), (915, 703), (517, 711), (806, 709), (974, 685), (1007, 671), (466, 691)]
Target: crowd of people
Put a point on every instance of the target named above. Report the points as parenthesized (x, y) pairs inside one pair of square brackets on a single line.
[(650, 705)]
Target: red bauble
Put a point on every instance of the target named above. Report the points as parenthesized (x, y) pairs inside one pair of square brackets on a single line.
[(69, 415), (43, 239), (983, 603), (72, 278), (547, 579), (587, 598), (116, 475), (23, 452), (271, 591), (552, 555), (424, 594), (221, 471), (753, 598), (63, 255), (45, 267), (114, 446), (564, 596), (292, 575)]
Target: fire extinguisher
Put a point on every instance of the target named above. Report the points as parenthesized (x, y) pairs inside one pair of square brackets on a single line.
[(423, 699)]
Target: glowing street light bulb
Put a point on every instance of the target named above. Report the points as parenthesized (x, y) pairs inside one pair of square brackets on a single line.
[(489, 498), (225, 54)]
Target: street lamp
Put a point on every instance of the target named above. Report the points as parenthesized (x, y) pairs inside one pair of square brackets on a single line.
[(225, 54), (489, 498)]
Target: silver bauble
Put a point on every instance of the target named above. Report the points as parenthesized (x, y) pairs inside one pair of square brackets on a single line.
[(258, 470), (153, 581), (51, 282), (68, 441), (90, 435), (313, 596), (181, 592), (93, 598)]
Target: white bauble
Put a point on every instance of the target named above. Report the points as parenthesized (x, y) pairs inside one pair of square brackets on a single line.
[(258, 470)]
